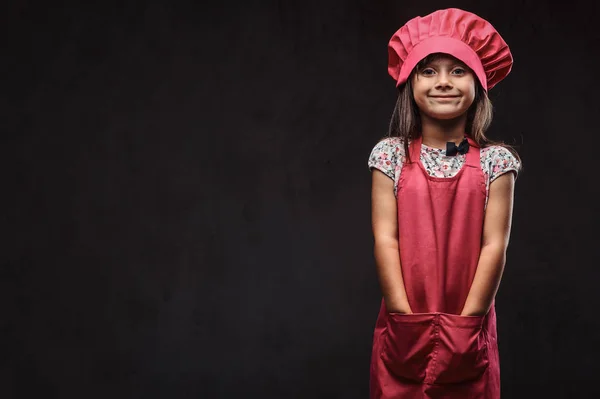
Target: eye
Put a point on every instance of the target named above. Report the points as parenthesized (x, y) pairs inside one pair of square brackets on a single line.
[(459, 71), (427, 72)]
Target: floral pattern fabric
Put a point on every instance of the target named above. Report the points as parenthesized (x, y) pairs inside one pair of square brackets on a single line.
[(388, 156)]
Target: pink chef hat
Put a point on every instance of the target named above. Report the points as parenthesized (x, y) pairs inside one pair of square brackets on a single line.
[(462, 34)]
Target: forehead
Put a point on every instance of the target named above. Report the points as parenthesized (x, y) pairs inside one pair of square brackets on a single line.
[(440, 59)]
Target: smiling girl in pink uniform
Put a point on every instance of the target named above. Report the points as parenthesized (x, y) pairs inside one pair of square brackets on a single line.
[(442, 202)]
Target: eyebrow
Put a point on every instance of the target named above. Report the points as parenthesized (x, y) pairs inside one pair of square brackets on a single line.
[(454, 64), (436, 63)]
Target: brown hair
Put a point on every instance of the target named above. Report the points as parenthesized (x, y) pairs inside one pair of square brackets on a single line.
[(406, 121)]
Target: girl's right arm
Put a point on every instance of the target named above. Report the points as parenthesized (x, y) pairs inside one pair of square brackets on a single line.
[(385, 232)]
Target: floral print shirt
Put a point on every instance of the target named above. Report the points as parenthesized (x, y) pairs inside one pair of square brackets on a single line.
[(388, 156)]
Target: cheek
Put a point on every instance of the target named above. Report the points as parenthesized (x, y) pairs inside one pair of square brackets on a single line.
[(420, 99), (419, 88), (469, 92), (470, 98), (419, 94), (471, 88)]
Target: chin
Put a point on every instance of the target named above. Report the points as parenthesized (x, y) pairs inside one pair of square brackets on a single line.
[(445, 116)]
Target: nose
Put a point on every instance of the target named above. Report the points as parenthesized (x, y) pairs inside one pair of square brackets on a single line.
[(443, 81)]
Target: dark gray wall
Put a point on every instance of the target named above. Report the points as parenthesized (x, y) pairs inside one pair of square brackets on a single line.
[(188, 201)]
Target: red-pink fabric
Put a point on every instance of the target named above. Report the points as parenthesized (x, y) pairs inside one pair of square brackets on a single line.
[(434, 352), (453, 31)]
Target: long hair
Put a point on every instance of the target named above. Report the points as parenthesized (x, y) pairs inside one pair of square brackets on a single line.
[(406, 121)]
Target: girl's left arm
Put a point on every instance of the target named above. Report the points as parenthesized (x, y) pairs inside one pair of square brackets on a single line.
[(496, 233)]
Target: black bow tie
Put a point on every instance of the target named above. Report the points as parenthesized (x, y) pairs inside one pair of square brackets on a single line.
[(453, 149)]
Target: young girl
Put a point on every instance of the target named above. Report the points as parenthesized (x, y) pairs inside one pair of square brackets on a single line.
[(441, 208)]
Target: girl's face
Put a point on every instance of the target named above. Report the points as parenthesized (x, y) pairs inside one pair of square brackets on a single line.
[(444, 88)]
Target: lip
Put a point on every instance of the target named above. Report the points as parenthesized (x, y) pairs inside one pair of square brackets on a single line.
[(444, 98)]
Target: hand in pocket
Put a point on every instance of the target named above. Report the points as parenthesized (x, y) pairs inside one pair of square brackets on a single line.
[(462, 349), (408, 345)]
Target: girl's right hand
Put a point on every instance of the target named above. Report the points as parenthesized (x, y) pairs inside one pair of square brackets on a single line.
[(399, 311)]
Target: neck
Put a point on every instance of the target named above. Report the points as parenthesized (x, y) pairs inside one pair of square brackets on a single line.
[(437, 132)]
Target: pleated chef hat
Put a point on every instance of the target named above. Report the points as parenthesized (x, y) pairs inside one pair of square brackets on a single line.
[(462, 34)]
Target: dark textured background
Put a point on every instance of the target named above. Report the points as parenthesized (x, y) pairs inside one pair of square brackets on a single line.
[(187, 199)]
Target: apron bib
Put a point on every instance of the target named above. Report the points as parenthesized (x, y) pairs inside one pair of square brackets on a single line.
[(434, 352)]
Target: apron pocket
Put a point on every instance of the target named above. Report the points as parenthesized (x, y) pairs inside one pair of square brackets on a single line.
[(408, 344), (461, 350)]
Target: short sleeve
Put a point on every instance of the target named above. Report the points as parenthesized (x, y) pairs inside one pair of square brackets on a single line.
[(383, 157), (503, 161)]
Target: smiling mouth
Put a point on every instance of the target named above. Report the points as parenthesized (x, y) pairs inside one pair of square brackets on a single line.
[(444, 99)]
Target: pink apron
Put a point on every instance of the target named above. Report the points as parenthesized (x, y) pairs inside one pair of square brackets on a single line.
[(434, 352)]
